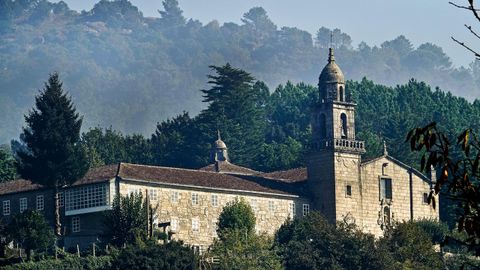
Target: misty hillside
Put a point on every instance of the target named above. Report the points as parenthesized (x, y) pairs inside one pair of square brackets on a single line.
[(130, 72)]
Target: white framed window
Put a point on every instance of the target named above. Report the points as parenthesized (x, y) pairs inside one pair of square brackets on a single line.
[(292, 210), (195, 224), (271, 206), (23, 204), (194, 198), (253, 204), (174, 225), (75, 224), (174, 197), (134, 190), (40, 203), (306, 209), (6, 207), (61, 199), (214, 200), (153, 194), (86, 197), (385, 188)]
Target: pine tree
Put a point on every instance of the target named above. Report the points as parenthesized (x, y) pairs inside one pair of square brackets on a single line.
[(53, 156)]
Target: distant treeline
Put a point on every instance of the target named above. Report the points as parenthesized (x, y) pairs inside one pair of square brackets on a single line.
[(128, 71)]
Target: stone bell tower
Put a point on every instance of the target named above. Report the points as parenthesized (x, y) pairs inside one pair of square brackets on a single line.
[(333, 163)]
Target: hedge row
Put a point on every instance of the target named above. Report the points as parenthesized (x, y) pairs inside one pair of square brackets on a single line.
[(68, 263)]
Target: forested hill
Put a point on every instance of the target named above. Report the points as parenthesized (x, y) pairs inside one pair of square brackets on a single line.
[(128, 71)]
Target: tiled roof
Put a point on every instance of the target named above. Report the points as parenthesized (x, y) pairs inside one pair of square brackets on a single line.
[(282, 183), (227, 167), (199, 178), (18, 185), (290, 176)]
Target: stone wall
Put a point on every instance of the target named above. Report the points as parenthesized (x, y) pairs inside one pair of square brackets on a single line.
[(371, 173), (270, 211)]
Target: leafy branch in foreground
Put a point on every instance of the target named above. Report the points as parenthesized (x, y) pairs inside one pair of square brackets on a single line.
[(456, 166)]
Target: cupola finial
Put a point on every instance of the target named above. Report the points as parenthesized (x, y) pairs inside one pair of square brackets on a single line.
[(385, 152)]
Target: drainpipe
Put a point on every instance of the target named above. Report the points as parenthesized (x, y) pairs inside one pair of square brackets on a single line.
[(411, 192)]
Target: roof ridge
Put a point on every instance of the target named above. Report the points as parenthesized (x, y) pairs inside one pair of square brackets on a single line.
[(165, 167)]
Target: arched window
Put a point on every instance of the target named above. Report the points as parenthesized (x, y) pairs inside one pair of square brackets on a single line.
[(323, 128), (343, 118), (341, 94)]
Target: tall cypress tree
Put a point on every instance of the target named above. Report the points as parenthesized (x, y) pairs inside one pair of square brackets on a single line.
[(53, 156)]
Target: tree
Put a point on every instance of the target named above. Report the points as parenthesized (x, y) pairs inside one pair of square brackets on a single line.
[(53, 157), (236, 216), (31, 231), (238, 247), (457, 170), (411, 247), (127, 222), (312, 242), (475, 12), (172, 14), (172, 256), (7, 166)]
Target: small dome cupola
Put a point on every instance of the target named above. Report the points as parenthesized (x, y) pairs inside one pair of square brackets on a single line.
[(331, 82), (219, 151)]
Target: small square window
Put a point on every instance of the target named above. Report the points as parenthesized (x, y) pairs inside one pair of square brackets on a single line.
[(6, 208), (271, 206), (40, 203), (348, 191), (152, 194), (195, 225), (174, 197), (61, 199), (173, 225), (214, 200), (425, 198), (194, 198), (23, 204), (75, 224), (306, 209)]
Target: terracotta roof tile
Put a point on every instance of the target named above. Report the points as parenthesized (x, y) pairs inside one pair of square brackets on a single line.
[(18, 185), (99, 174), (200, 178), (227, 167), (290, 176)]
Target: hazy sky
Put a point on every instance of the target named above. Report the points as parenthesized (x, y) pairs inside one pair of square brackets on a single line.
[(372, 21)]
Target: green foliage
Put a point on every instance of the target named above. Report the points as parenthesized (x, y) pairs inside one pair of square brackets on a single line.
[(171, 256), (436, 230), (411, 247), (53, 157), (71, 262), (236, 216), (126, 223), (237, 250), (31, 231), (313, 243), (7, 165)]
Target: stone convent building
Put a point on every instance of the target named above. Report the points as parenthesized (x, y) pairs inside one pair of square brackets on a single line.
[(336, 182)]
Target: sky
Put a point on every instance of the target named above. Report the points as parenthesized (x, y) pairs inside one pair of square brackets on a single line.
[(372, 21)]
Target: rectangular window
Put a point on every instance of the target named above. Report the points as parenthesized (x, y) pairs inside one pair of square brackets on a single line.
[(173, 225), (214, 227), (425, 198), (6, 208), (61, 199), (292, 210), (195, 225), (348, 191), (253, 204), (134, 190), (40, 203), (174, 196), (23, 204), (271, 206), (86, 197), (385, 188), (194, 198), (306, 209), (153, 194), (214, 200), (75, 224)]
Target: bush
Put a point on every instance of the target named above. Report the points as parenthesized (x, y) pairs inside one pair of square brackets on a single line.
[(68, 263), (171, 256)]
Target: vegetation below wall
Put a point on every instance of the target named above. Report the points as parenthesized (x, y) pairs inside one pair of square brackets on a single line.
[(128, 71)]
